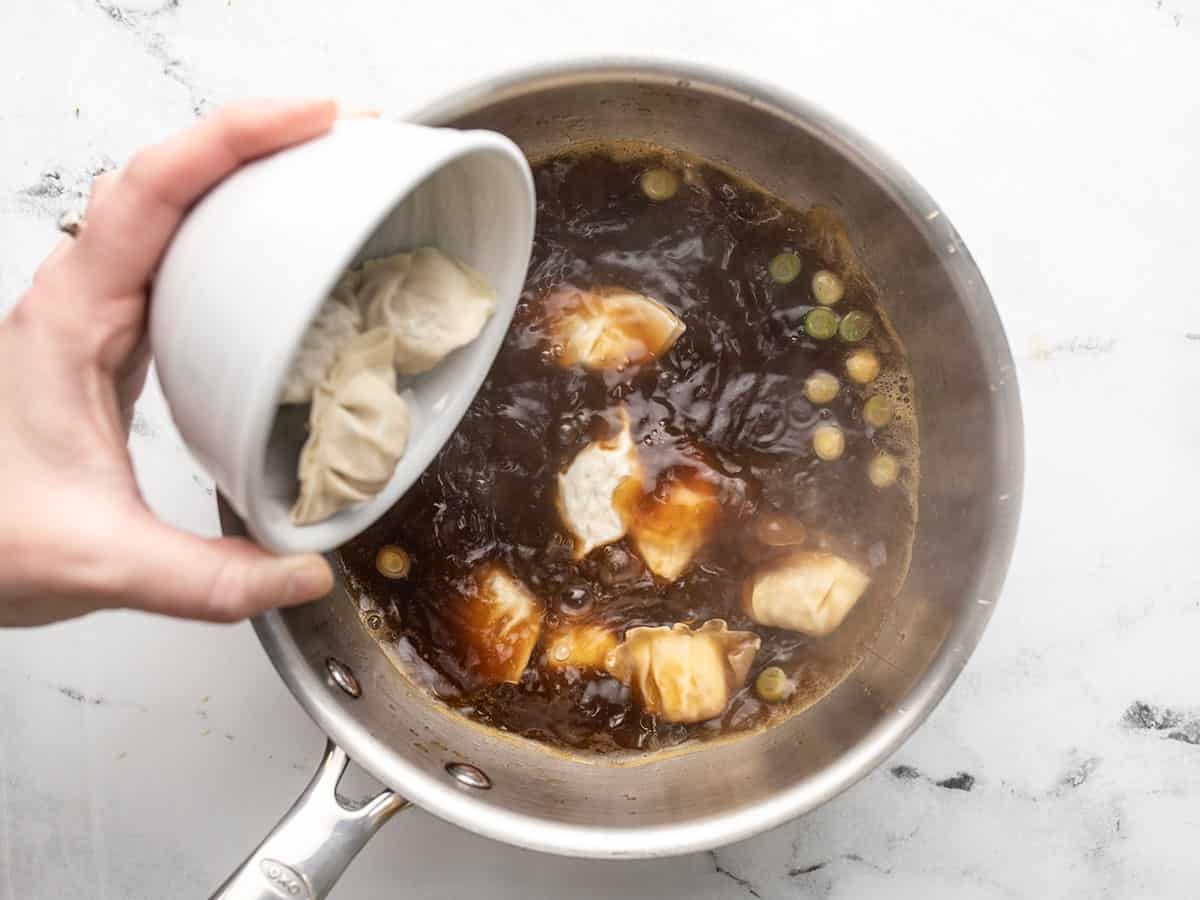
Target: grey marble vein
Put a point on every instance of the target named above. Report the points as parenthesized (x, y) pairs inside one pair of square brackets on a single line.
[(58, 190), (142, 25), (1180, 726), (1076, 775), (743, 883)]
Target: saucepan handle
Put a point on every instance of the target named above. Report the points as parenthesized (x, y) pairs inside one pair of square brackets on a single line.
[(313, 844)]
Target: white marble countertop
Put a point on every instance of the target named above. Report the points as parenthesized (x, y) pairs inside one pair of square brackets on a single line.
[(141, 757)]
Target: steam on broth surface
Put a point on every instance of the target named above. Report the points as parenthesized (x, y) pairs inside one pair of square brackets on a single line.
[(684, 500)]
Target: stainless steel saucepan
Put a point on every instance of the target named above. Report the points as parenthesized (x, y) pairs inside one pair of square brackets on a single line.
[(971, 464)]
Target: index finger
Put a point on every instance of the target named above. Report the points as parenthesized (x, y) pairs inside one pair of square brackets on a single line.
[(132, 224)]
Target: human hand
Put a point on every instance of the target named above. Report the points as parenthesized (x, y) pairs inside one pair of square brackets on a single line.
[(75, 534)]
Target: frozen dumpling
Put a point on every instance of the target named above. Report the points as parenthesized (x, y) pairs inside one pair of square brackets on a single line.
[(416, 308), (597, 491), (498, 622), (335, 324), (806, 591), (357, 430), (609, 328), (674, 523), (579, 646), (432, 303), (684, 675)]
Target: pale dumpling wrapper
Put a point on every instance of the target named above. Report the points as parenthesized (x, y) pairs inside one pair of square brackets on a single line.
[(335, 324), (581, 646), (432, 302), (807, 591), (610, 328), (669, 530), (597, 491), (404, 312), (358, 429), (497, 624), (684, 675)]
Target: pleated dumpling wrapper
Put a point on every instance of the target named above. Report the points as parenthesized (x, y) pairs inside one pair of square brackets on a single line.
[(583, 646), (809, 591), (496, 621), (432, 302), (336, 323), (673, 523), (684, 675), (357, 430), (609, 328), (597, 492)]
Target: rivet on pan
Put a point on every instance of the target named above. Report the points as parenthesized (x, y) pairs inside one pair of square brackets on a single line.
[(343, 677), (467, 774)]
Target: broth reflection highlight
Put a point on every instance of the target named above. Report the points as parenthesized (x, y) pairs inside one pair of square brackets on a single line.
[(742, 481)]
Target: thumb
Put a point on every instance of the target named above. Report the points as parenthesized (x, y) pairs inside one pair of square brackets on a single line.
[(218, 580)]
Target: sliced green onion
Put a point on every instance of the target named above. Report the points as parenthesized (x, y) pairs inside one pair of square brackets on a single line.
[(821, 323), (784, 268), (878, 411), (393, 562), (779, 530), (855, 326), (821, 387), (773, 685), (829, 442), (883, 470), (659, 184), (862, 366), (827, 288)]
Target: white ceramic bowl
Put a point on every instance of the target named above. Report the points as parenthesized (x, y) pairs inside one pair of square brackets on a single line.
[(255, 258)]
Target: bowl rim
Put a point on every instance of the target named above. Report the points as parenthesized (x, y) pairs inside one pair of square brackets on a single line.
[(894, 727)]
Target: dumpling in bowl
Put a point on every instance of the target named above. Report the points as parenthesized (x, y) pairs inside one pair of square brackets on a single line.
[(807, 591), (609, 328), (597, 491), (358, 429), (432, 302), (417, 307), (684, 675), (497, 623), (336, 323)]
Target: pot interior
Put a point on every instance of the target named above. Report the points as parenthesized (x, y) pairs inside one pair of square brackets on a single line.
[(970, 433)]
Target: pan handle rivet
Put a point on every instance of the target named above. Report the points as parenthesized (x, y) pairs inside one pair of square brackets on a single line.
[(471, 776), (343, 677)]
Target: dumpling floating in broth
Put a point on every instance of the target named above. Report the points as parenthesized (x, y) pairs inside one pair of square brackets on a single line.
[(584, 646), (609, 328), (684, 675), (673, 524), (497, 623), (432, 303), (598, 489), (358, 429), (807, 591)]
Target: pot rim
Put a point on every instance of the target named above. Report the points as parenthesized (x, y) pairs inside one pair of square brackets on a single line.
[(458, 806)]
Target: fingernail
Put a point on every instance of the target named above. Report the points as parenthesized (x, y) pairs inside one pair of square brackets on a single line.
[(294, 105), (309, 577), (348, 111)]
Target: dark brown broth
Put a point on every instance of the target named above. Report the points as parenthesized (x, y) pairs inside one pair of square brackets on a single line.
[(730, 390)]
